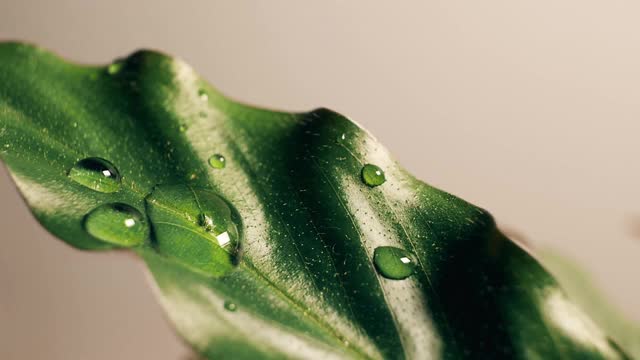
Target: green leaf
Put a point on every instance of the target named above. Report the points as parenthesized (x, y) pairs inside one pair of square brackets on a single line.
[(583, 290), (269, 253)]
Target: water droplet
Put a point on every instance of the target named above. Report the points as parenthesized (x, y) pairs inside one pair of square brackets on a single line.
[(217, 161), (203, 95), (231, 306), (372, 175), (97, 174), (118, 224), (115, 67), (393, 262), (195, 227), (342, 137)]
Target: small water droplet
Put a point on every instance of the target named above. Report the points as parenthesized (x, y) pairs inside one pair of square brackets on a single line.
[(205, 234), (203, 95), (342, 137), (118, 224), (393, 262), (115, 67), (217, 161), (372, 175), (231, 306), (97, 174)]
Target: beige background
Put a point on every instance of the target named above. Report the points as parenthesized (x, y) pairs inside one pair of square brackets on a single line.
[(530, 109)]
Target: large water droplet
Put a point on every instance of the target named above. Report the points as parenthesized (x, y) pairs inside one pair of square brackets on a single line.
[(231, 306), (372, 175), (393, 262), (196, 227), (118, 224), (97, 174), (217, 161)]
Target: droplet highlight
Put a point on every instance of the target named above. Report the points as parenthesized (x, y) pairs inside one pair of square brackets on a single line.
[(372, 175), (394, 263), (118, 224), (217, 161), (97, 174), (230, 306), (196, 227)]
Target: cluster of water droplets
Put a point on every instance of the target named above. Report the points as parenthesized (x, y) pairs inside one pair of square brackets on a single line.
[(213, 251), (115, 223), (123, 225), (391, 262)]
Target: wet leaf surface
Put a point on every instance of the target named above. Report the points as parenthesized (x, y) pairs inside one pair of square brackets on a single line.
[(305, 200)]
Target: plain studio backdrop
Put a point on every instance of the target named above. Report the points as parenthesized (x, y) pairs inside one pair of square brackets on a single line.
[(530, 109)]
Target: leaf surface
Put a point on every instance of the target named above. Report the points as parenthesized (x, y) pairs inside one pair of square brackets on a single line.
[(271, 254)]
